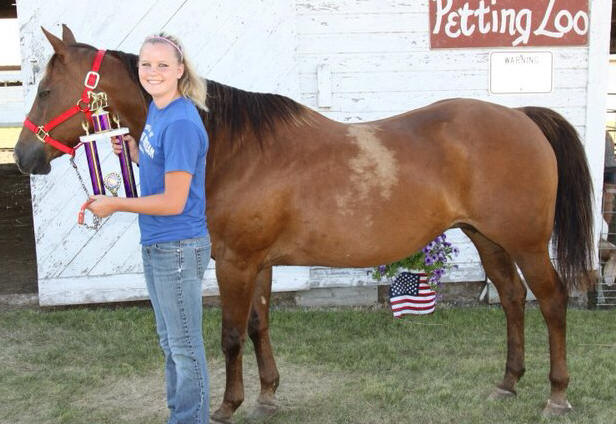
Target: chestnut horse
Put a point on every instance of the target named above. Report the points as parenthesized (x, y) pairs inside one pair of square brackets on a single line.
[(287, 186)]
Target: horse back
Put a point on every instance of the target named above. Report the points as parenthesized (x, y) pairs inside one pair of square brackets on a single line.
[(324, 190)]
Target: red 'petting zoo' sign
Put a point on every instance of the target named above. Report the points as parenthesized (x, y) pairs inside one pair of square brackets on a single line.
[(511, 23)]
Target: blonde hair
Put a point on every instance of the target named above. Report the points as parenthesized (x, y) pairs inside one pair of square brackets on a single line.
[(190, 84)]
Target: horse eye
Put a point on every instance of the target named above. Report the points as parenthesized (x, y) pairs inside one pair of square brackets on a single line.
[(43, 93)]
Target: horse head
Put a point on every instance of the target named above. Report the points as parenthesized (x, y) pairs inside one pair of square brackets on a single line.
[(62, 87)]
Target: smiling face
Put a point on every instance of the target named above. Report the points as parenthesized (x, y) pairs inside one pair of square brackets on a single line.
[(160, 71)]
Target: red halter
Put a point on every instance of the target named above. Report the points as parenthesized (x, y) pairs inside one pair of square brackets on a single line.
[(83, 105)]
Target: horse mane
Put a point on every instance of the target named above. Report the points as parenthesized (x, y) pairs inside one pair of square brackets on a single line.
[(231, 109), (239, 111), (131, 61)]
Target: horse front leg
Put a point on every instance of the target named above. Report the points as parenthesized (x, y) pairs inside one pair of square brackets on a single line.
[(236, 284), (258, 330)]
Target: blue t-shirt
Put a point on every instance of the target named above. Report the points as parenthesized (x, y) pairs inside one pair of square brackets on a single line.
[(173, 139)]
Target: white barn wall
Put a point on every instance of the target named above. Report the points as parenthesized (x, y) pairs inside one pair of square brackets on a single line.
[(11, 97), (381, 64), (243, 44), (598, 85), (378, 56)]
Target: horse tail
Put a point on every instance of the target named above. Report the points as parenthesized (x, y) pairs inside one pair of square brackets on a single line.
[(573, 221)]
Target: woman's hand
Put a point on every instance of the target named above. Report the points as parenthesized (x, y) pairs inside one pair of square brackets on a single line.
[(133, 148), (102, 206)]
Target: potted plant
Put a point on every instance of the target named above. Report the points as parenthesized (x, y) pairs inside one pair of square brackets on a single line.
[(417, 277)]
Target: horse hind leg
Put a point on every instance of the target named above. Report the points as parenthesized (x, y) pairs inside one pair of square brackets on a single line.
[(501, 269), (258, 331), (552, 296)]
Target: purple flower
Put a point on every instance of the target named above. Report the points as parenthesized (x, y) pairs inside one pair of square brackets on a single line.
[(436, 256)]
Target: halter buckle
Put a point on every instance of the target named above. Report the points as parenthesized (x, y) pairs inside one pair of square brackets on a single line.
[(86, 81), (41, 134), (85, 102)]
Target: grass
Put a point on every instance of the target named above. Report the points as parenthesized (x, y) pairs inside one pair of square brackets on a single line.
[(337, 366)]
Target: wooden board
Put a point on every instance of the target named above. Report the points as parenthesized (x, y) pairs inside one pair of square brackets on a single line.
[(379, 63)]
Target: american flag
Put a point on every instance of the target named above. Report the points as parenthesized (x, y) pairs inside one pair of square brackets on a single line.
[(411, 294)]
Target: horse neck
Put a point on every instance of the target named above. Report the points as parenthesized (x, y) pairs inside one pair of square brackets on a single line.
[(221, 156), (234, 133), (244, 124), (132, 101)]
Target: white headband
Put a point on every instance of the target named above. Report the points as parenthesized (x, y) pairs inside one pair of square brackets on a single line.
[(157, 37)]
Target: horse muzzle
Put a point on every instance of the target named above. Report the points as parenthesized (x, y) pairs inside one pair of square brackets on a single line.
[(31, 159)]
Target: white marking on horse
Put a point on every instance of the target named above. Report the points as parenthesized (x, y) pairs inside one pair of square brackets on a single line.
[(375, 167)]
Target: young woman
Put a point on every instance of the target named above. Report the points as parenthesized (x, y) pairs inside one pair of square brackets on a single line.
[(174, 237)]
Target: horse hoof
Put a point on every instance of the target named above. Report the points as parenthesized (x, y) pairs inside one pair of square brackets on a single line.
[(218, 418), (262, 411), (555, 409), (498, 394)]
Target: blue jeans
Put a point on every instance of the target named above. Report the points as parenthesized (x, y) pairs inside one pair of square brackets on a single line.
[(173, 273)]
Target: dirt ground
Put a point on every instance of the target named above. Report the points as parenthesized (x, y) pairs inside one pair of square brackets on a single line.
[(17, 249), (142, 399)]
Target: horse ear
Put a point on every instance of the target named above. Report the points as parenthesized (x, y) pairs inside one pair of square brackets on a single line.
[(58, 45), (67, 35)]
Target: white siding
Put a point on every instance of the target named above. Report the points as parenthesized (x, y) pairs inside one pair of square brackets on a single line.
[(611, 99), (11, 105), (381, 64), (11, 97), (376, 53), (243, 44)]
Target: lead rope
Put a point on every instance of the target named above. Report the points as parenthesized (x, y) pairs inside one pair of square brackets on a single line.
[(97, 222)]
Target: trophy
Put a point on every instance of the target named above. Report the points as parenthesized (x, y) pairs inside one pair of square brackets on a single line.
[(104, 130)]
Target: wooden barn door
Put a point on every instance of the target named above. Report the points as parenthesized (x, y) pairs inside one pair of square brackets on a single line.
[(251, 47)]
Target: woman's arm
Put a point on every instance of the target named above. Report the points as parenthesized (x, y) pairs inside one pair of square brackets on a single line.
[(171, 202)]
